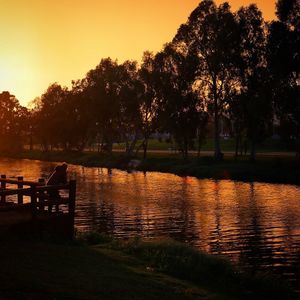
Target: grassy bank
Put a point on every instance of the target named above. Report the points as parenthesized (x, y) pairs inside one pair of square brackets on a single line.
[(119, 270), (268, 145), (265, 169)]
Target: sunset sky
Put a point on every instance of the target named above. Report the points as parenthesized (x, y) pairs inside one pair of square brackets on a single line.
[(46, 41)]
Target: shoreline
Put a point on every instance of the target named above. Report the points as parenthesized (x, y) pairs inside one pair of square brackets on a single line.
[(284, 170)]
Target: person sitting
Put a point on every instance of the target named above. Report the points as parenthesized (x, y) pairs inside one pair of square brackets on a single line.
[(59, 176)]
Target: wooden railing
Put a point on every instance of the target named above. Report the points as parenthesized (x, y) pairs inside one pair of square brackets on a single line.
[(42, 198)]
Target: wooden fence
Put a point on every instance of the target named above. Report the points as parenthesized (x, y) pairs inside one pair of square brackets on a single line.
[(41, 198)]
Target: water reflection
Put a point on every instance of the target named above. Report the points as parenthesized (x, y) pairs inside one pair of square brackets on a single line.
[(257, 225)]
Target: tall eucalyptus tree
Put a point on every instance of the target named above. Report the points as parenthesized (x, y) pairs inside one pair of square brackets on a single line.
[(284, 65), (211, 36)]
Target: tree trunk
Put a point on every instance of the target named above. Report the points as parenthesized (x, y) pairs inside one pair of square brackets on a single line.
[(145, 148), (199, 142), (253, 149), (109, 147), (199, 146), (185, 148), (30, 142), (237, 144), (131, 145), (218, 154)]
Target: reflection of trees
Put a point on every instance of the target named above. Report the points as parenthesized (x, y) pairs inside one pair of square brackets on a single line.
[(246, 244), (105, 218), (289, 256), (179, 214), (255, 253), (216, 240), (105, 206)]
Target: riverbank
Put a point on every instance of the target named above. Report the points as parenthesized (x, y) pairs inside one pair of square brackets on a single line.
[(285, 169), (101, 268)]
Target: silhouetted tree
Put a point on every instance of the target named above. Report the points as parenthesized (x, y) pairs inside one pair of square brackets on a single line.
[(130, 96), (51, 121), (284, 65), (103, 86), (149, 102), (288, 12), (178, 112), (11, 123), (252, 113), (211, 35), (79, 115)]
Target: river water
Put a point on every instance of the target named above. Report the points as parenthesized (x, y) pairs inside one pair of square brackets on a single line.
[(256, 225)]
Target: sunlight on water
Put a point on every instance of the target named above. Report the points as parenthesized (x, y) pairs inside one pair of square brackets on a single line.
[(257, 225)]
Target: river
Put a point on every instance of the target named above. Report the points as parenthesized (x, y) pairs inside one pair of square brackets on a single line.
[(256, 225)]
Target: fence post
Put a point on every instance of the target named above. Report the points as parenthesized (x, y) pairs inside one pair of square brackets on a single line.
[(20, 186), (33, 202), (3, 187), (72, 201), (40, 194)]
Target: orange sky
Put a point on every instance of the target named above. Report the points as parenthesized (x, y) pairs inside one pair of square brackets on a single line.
[(46, 41)]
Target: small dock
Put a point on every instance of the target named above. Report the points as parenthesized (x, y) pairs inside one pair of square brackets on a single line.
[(29, 208)]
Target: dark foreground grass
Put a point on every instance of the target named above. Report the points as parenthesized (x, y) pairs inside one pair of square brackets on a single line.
[(213, 273), (265, 169), (123, 270), (51, 271)]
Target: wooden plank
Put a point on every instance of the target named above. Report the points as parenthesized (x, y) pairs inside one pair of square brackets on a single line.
[(14, 207), (53, 202), (41, 194), (72, 203), (20, 186), (28, 191), (15, 181), (33, 203), (9, 192), (3, 187)]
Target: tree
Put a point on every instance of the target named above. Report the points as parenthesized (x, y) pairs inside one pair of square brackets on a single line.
[(252, 109), (129, 99), (80, 115), (103, 87), (116, 91), (149, 102), (178, 102), (288, 12), (211, 36), (11, 116), (284, 66), (51, 119)]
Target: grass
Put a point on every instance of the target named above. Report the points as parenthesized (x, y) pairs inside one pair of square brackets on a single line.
[(268, 145), (123, 270), (211, 272), (51, 271)]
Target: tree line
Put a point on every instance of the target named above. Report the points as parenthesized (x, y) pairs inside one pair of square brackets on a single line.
[(220, 64)]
